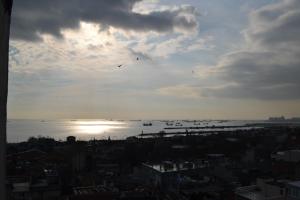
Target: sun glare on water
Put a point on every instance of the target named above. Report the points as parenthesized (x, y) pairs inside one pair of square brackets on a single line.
[(96, 127)]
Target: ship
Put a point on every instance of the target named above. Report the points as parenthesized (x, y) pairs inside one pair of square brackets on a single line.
[(169, 123), (147, 124), (178, 124)]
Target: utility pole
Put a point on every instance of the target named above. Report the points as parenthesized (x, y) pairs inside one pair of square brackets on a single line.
[(5, 15)]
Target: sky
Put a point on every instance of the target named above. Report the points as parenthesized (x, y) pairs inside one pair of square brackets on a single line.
[(197, 59)]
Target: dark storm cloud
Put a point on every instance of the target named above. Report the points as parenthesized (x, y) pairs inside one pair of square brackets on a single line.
[(33, 17), (271, 68)]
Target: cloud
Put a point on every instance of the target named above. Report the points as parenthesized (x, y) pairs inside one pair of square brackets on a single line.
[(268, 67), (180, 91), (140, 55), (86, 49), (154, 46), (33, 18), (276, 25)]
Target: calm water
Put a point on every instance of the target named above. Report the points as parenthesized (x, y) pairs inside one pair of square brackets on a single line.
[(21, 130)]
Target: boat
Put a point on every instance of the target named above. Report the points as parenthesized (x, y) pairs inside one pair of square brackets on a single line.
[(169, 123), (178, 124), (147, 124)]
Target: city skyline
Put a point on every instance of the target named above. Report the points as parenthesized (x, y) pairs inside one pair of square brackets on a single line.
[(230, 59)]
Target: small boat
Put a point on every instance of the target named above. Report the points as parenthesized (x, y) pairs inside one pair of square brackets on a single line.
[(169, 123), (178, 124), (147, 124)]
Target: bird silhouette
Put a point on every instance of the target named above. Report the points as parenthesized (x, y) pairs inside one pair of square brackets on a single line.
[(120, 66)]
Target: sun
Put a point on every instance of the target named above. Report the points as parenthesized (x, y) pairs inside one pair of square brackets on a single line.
[(88, 33)]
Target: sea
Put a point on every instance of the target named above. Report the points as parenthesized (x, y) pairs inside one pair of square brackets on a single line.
[(19, 130)]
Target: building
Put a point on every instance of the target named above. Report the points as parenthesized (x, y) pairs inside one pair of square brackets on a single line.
[(293, 190), (265, 189), (277, 119), (71, 139), (171, 174), (25, 188), (93, 193), (286, 164), (287, 156)]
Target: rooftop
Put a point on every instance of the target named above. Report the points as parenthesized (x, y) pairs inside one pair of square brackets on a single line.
[(279, 183), (169, 166), (250, 192), (295, 183), (89, 190), (21, 187)]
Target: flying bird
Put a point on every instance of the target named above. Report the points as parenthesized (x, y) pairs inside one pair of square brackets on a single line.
[(120, 66)]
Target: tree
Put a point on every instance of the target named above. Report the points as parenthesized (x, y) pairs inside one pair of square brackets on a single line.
[(5, 15)]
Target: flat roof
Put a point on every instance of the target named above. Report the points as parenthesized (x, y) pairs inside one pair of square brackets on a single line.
[(168, 166), (279, 183), (21, 187), (250, 192), (90, 190), (295, 183)]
